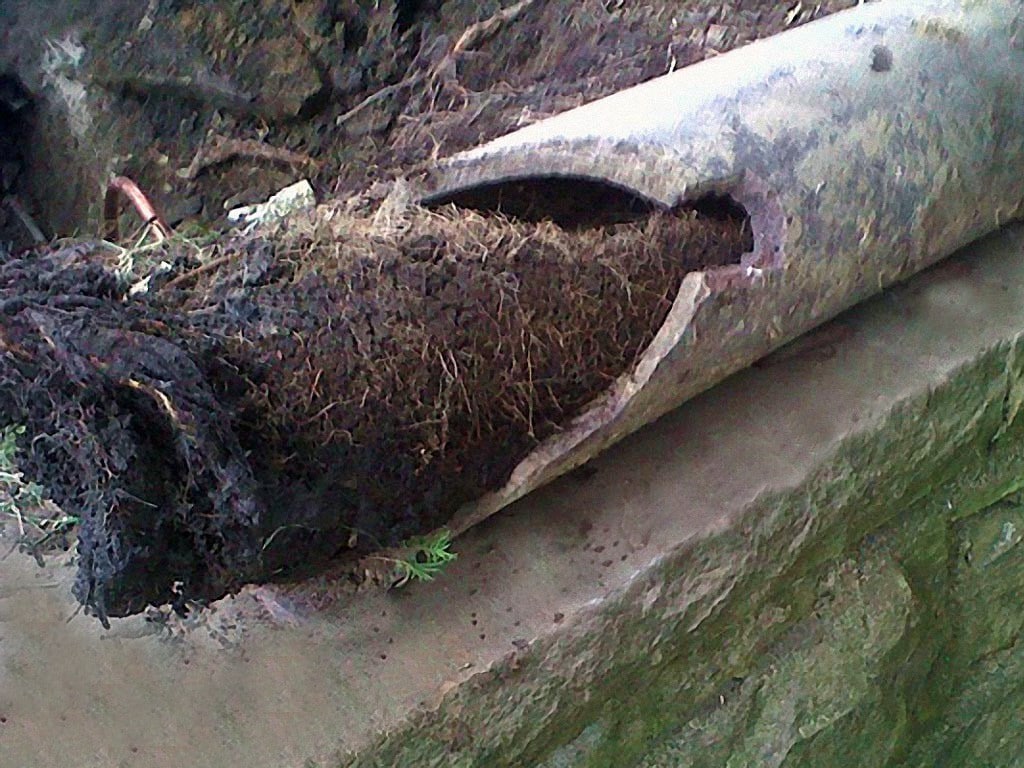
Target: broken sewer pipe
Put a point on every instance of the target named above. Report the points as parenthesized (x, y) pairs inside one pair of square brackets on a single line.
[(865, 147)]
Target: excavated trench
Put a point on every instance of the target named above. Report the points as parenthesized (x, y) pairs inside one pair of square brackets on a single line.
[(288, 401)]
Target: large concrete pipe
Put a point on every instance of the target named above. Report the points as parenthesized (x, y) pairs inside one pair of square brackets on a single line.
[(864, 147)]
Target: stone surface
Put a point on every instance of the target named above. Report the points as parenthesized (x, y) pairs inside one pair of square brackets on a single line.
[(817, 563)]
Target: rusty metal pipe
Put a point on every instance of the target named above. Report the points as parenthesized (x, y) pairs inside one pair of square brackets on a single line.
[(864, 146), (119, 186)]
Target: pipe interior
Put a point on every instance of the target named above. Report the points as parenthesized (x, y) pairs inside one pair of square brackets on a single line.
[(578, 203)]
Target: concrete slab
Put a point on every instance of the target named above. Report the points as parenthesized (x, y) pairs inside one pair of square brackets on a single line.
[(558, 607)]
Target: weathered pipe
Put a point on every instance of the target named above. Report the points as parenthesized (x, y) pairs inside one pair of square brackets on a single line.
[(864, 147)]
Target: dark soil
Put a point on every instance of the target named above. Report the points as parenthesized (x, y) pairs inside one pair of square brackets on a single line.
[(380, 92), (557, 55)]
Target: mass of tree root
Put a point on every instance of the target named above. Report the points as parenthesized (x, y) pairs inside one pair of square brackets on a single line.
[(320, 393)]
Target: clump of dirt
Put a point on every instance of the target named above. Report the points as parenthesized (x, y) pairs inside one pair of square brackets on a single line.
[(332, 389)]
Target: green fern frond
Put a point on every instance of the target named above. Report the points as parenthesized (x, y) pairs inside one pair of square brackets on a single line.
[(428, 556)]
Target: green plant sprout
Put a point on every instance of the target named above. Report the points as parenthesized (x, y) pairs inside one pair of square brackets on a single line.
[(20, 498), (18, 494), (427, 557)]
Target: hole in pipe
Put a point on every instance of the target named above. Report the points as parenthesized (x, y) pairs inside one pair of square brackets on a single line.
[(579, 203), (572, 203)]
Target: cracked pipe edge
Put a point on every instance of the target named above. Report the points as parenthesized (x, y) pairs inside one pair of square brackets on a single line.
[(866, 146)]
